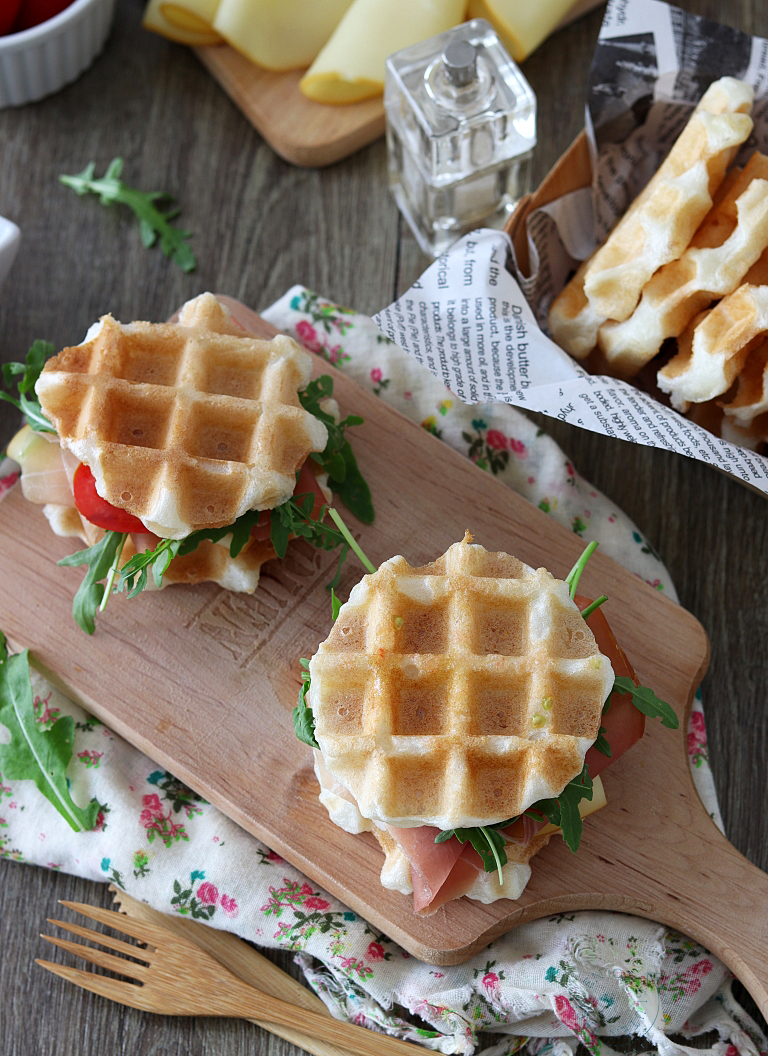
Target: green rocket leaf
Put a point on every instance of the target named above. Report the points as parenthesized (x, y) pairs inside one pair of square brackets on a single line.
[(33, 754)]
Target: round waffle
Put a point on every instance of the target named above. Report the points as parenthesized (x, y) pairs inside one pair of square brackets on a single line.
[(458, 693), (185, 425)]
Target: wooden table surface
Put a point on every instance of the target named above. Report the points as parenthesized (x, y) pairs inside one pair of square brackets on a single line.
[(260, 226)]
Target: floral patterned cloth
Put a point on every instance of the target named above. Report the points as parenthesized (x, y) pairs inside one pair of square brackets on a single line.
[(549, 985)]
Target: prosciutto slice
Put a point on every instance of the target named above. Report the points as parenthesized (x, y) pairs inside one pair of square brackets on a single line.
[(441, 872)]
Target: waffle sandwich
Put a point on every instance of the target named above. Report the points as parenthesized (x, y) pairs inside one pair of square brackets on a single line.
[(177, 437), (451, 699)]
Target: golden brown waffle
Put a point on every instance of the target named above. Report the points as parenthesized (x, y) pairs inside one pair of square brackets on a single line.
[(573, 322), (185, 425), (714, 350), (706, 272), (458, 693), (751, 398), (659, 224)]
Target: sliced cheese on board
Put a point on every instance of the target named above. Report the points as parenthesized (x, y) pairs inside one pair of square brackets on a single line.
[(197, 15), (351, 65), (521, 26), (278, 34), (155, 20)]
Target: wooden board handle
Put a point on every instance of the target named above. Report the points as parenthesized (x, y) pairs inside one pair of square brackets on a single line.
[(724, 905)]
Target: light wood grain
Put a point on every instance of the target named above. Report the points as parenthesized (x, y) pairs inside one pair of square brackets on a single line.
[(300, 130), (654, 851)]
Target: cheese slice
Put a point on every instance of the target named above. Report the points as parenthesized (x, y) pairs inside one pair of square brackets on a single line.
[(521, 26), (155, 20), (351, 65), (197, 15), (278, 34)]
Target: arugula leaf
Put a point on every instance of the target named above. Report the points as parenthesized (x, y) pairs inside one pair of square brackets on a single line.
[(338, 459), (645, 700), (563, 811), (487, 841), (293, 518), (29, 371), (601, 742), (573, 577), (99, 558), (152, 221), (335, 605), (33, 754), (303, 719)]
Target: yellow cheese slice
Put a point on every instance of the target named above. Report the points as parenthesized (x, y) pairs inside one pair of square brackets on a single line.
[(279, 34), (586, 806), (197, 15), (155, 20), (521, 26), (351, 65)]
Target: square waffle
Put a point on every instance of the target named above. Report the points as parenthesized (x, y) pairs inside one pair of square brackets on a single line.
[(457, 693), (185, 425)]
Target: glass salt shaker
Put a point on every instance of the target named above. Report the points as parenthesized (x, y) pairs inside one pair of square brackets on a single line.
[(461, 128)]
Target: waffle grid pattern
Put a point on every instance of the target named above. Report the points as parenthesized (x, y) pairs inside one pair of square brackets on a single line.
[(184, 425), (458, 693)]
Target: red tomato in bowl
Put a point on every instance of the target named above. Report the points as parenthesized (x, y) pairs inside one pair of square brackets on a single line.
[(9, 9), (97, 510), (33, 12)]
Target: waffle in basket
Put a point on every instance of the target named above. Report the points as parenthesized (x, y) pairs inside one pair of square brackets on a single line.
[(457, 693), (701, 302)]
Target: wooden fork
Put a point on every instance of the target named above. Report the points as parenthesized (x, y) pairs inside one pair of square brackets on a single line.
[(163, 969)]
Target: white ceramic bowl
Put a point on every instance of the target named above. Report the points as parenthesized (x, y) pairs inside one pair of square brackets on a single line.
[(9, 245), (41, 60)]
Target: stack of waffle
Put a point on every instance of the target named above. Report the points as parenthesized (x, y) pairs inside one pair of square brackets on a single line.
[(681, 277)]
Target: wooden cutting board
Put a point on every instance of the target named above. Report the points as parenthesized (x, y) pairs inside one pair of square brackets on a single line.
[(298, 129), (204, 681)]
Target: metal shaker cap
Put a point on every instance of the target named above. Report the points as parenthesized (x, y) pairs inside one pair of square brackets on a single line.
[(460, 63)]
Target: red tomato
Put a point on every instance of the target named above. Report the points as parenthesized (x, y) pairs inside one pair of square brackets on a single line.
[(33, 12), (97, 510), (624, 724), (307, 483), (8, 11)]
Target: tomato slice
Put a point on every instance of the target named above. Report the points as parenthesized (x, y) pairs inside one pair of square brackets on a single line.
[(307, 483), (97, 510), (624, 724)]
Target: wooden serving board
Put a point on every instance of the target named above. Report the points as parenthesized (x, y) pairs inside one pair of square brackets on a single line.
[(299, 130), (204, 681)]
